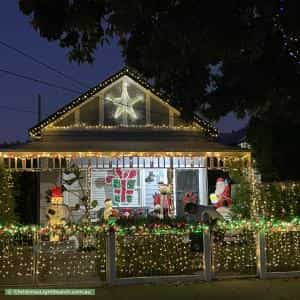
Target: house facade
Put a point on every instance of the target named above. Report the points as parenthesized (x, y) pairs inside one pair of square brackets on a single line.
[(127, 140)]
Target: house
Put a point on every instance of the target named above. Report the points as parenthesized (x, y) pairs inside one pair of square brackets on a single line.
[(128, 140)]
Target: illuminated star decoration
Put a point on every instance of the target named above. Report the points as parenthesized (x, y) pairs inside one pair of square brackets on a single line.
[(125, 103)]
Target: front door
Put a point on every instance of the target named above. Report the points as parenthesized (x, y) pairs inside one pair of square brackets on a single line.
[(186, 180)]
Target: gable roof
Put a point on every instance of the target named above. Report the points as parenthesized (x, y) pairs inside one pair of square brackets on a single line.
[(134, 75)]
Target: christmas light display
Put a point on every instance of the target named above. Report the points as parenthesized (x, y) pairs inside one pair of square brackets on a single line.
[(6, 196), (16, 257), (145, 250), (62, 261), (125, 103), (276, 200), (234, 252), (283, 251), (83, 126), (151, 255), (26, 252), (36, 131)]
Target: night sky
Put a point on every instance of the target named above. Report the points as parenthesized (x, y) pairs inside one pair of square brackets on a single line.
[(20, 94)]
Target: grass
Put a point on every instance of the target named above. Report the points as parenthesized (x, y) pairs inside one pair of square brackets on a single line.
[(245, 289)]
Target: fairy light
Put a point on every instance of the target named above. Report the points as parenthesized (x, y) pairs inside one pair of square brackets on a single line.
[(276, 200), (147, 250), (234, 253), (290, 42), (153, 255), (35, 132), (83, 126), (54, 261)]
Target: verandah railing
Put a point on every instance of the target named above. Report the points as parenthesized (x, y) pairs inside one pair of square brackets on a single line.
[(92, 255)]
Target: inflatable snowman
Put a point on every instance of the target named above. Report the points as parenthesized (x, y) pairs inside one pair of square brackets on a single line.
[(58, 213)]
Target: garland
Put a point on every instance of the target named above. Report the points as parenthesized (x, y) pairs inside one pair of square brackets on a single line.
[(270, 225)]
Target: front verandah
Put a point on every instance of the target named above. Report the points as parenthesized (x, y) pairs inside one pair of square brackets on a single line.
[(144, 251), (189, 174)]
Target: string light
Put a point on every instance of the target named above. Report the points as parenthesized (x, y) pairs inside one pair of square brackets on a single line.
[(145, 250), (135, 76), (290, 42), (152, 126), (153, 255), (276, 200)]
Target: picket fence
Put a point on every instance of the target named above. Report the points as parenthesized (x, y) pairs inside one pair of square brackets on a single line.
[(109, 258)]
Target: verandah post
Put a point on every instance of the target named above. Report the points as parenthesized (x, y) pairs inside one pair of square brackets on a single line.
[(207, 255), (111, 257), (261, 255)]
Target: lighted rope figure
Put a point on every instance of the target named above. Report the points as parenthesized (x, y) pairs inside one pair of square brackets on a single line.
[(125, 103)]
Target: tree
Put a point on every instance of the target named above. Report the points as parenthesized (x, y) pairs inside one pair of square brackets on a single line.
[(7, 204), (178, 43), (276, 148)]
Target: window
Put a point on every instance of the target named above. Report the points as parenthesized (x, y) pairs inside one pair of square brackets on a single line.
[(187, 180), (75, 190), (151, 179)]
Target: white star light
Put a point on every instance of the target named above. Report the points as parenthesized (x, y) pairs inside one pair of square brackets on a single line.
[(124, 103)]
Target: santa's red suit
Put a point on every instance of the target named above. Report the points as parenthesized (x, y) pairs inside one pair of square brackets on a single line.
[(224, 196), (165, 202)]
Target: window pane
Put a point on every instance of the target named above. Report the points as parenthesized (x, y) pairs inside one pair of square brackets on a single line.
[(186, 181), (151, 183), (12, 163)]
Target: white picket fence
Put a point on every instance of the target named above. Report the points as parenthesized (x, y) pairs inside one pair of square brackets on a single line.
[(35, 263)]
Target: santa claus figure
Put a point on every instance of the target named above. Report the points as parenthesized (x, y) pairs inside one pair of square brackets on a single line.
[(163, 202), (221, 196)]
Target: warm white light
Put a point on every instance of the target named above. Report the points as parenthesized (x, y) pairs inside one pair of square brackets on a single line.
[(125, 103)]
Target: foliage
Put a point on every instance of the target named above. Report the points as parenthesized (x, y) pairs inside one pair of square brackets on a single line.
[(7, 201), (276, 147), (279, 200), (150, 220), (175, 42), (242, 199), (25, 195), (241, 189), (84, 197), (214, 56)]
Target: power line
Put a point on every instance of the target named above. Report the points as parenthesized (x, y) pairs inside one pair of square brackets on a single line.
[(43, 64), (39, 81), (56, 86)]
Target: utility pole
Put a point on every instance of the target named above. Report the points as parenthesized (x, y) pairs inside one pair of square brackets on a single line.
[(39, 109)]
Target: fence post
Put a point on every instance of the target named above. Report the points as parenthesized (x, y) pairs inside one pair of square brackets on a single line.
[(35, 249), (111, 257), (207, 255), (261, 257)]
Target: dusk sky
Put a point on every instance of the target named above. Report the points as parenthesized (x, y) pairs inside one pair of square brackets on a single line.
[(19, 94)]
